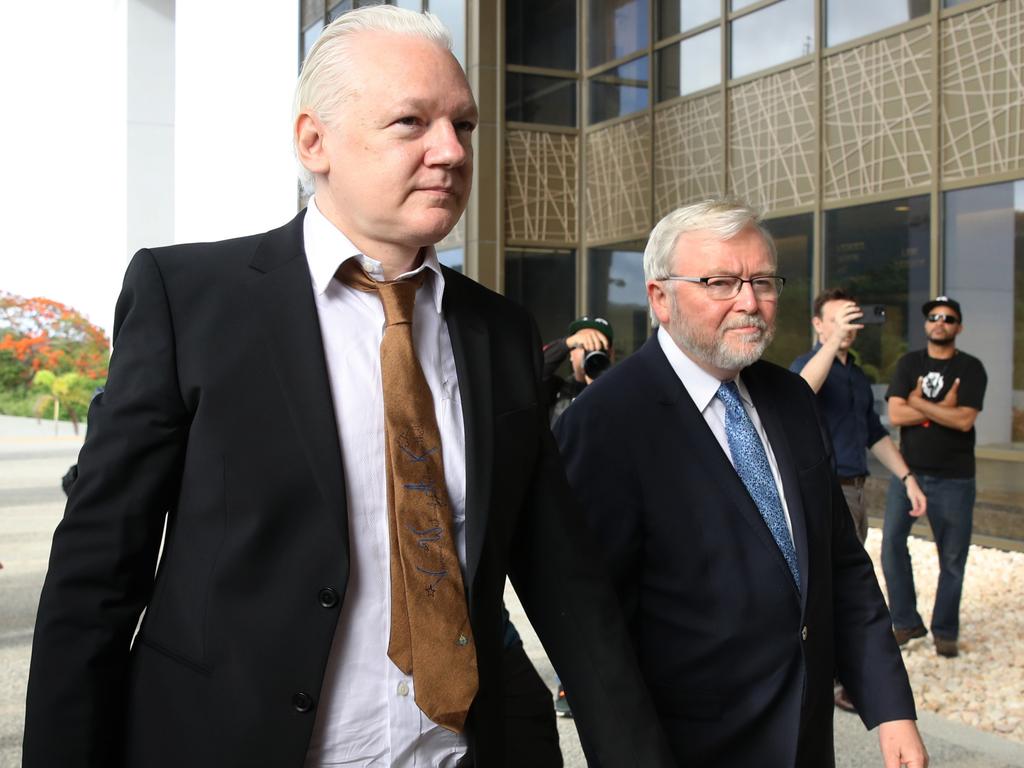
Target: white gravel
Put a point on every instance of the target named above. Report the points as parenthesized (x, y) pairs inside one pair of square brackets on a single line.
[(984, 686)]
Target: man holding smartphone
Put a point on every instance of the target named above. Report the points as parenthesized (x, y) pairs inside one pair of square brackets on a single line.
[(848, 405)]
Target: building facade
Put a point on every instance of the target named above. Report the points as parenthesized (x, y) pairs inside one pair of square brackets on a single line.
[(883, 139)]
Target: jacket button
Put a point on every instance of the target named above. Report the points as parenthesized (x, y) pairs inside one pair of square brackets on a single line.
[(328, 597), (302, 702), (803, 633)]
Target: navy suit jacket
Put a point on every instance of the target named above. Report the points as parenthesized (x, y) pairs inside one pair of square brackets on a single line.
[(739, 660), (218, 420)]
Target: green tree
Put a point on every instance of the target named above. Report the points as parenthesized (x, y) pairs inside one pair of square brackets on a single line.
[(71, 390)]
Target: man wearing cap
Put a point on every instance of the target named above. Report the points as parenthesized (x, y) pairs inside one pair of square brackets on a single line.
[(586, 335), (934, 397)]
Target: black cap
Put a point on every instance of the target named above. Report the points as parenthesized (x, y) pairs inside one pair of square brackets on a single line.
[(597, 323), (942, 301)]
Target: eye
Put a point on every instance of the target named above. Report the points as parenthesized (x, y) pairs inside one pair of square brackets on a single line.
[(465, 126), (721, 282), (408, 120)]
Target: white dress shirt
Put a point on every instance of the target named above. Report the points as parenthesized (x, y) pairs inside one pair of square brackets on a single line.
[(367, 715), (702, 388)]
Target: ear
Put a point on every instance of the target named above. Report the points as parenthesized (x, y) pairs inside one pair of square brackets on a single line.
[(659, 301), (818, 324), (309, 144)]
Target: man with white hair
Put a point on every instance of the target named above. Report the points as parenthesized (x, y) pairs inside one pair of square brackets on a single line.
[(317, 457), (721, 520)]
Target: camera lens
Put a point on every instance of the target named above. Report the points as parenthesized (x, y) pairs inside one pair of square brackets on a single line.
[(595, 363)]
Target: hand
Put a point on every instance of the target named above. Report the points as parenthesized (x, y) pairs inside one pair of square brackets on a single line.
[(588, 339), (901, 745), (845, 325), (918, 501), (950, 400)]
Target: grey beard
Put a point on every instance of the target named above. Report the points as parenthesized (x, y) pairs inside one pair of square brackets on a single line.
[(711, 348)]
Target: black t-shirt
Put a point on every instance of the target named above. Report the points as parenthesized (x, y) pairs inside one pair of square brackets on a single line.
[(930, 448)]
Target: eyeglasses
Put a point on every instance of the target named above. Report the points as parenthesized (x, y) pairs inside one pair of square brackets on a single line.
[(724, 287), (947, 319)]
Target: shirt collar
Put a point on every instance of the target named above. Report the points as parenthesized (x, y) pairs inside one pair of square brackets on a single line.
[(327, 248), (700, 385)]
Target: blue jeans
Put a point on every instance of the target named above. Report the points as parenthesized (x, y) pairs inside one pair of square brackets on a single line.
[(950, 515)]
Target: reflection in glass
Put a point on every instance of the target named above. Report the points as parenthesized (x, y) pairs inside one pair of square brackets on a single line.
[(880, 254), (617, 292), (617, 28), (337, 9), (845, 20), (619, 91), (984, 265), (772, 35), (676, 16), (794, 242), (545, 283), (453, 14), (452, 258), (700, 67), (540, 99), (541, 33)]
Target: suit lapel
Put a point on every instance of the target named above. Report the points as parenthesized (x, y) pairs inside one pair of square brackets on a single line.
[(768, 411), (283, 301), (721, 475), (471, 350)]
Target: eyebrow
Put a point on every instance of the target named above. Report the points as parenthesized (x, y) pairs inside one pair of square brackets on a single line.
[(468, 109)]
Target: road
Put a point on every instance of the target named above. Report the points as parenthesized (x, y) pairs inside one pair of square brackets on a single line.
[(32, 462)]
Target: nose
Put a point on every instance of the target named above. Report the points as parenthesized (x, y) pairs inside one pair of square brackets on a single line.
[(448, 147), (745, 300)]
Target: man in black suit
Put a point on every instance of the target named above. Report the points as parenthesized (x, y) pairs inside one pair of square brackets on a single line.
[(707, 477), (234, 485)]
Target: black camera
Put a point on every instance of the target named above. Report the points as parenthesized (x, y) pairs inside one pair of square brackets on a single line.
[(596, 362)]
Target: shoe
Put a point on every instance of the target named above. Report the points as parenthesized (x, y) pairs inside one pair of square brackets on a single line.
[(948, 648), (904, 636), (562, 704), (843, 701)]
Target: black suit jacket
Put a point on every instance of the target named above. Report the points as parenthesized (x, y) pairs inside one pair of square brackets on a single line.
[(218, 421), (740, 662)]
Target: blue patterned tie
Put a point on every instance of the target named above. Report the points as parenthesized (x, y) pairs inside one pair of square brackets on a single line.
[(751, 463)]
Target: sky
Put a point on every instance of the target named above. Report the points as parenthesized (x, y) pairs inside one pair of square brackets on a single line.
[(63, 156)]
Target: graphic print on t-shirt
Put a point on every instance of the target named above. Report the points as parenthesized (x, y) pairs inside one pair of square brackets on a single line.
[(931, 384)]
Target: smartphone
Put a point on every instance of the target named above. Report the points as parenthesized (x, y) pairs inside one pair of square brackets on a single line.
[(874, 314)]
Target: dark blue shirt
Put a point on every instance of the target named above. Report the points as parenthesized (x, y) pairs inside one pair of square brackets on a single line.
[(848, 405)]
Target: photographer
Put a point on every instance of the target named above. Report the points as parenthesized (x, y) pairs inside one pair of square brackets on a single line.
[(848, 405), (589, 349)]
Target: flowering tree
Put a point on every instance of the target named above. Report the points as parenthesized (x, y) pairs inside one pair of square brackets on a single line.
[(42, 334)]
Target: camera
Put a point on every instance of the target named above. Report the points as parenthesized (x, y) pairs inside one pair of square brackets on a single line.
[(596, 362), (873, 315)]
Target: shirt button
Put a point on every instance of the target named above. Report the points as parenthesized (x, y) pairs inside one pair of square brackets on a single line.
[(328, 597), (803, 633), (302, 702), (403, 688)]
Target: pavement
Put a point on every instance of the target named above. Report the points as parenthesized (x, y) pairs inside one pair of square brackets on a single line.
[(32, 461)]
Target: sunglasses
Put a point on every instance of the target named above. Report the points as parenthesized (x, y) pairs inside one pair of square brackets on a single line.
[(947, 319)]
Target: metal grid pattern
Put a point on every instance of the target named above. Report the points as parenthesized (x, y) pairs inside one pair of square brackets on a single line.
[(688, 152), (540, 186)]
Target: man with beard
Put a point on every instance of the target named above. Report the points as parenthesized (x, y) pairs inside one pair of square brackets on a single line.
[(934, 398), (722, 523)]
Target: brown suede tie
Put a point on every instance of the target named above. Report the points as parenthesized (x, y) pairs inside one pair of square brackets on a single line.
[(431, 638)]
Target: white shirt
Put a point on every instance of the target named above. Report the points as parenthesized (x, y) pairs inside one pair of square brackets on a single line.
[(702, 388), (367, 715)]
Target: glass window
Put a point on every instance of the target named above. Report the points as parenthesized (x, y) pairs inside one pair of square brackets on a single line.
[(617, 292), (617, 29), (545, 283), (880, 254), (339, 8), (452, 258), (619, 91), (690, 65), (453, 14), (540, 99), (845, 20), (984, 271), (680, 15), (310, 35), (541, 33), (794, 242), (772, 35), (411, 5), (952, 3)]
